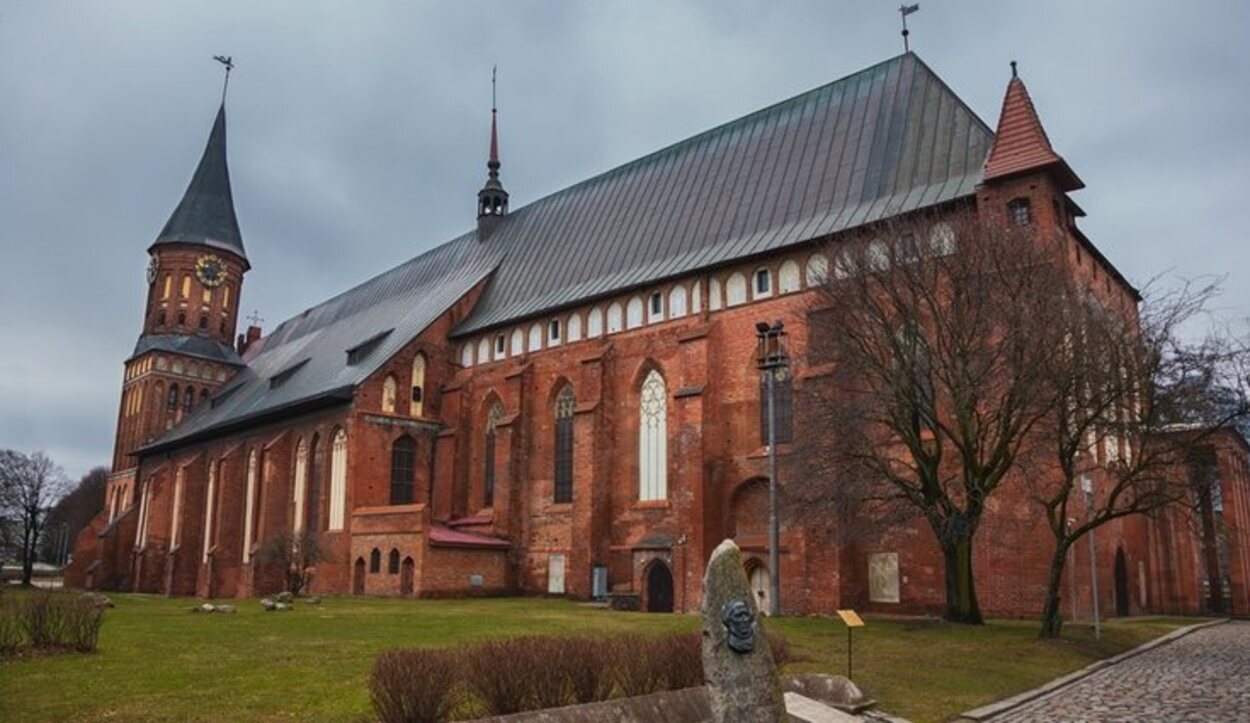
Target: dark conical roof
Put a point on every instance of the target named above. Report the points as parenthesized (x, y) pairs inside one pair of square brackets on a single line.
[(206, 213)]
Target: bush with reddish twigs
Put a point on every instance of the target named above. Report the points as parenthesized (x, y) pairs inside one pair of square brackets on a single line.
[(679, 659), (415, 685), (637, 671), (10, 626), (587, 664), (500, 673)]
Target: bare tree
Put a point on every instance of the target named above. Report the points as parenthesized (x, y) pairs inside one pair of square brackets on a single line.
[(929, 326), (297, 553), (1134, 401), (72, 513), (30, 484)]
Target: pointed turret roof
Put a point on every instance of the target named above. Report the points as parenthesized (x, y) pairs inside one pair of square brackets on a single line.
[(1021, 144), (205, 215)]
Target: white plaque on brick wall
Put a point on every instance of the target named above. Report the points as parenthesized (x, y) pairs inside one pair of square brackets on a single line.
[(555, 574), (883, 577)]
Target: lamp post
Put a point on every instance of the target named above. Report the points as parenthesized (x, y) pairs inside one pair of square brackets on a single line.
[(771, 359)]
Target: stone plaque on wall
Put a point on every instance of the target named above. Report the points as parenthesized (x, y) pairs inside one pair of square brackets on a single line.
[(883, 577)]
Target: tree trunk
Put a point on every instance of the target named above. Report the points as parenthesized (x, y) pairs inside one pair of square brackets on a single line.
[(961, 591), (1052, 618)]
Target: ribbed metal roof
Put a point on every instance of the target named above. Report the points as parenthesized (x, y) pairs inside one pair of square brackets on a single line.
[(308, 353), (888, 139), (195, 346), (205, 215)]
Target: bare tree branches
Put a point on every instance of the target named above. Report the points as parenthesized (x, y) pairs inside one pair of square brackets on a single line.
[(29, 485)]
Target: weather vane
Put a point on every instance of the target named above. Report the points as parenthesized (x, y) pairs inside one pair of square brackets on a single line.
[(904, 11), (493, 70), (228, 61)]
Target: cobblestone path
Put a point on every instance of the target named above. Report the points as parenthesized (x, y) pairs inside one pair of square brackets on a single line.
[(1204, 676)]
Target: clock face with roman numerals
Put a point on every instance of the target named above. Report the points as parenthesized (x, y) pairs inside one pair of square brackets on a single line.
[(211, 270)]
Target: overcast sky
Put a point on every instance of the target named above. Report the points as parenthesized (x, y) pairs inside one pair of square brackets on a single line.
[(357, 137)]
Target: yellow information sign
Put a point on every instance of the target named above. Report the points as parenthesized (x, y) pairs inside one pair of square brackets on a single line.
[(851, 618)]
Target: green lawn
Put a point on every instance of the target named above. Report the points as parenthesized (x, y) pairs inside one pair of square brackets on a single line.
[(159, 662)]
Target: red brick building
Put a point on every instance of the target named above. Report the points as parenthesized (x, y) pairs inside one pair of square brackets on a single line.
[(565, 400)]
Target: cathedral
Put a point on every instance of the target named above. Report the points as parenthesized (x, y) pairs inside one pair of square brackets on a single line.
[(565, 399)]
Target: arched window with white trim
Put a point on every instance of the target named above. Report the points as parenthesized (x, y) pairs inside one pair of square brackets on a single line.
[(633, 313), (417, 406), (653, 438), (390, 390), (696, 297), (483, 350), (714, 299), (817, 270), (249, 508), (789, 278), (466, 355), (297, 484), (677, 302), (736, 289), (574, 330), (338, 481), (536, 337), (518, 342), (615, 317)]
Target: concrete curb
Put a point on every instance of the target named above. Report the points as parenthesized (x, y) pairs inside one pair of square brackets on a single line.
[(988, 712)]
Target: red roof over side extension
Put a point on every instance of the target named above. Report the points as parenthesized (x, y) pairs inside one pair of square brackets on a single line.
[(1021, 145), (445, 536)]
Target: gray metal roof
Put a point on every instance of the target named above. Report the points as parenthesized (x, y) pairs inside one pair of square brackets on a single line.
[(888, 139), (196, 346), (205, 216), (308, 353)]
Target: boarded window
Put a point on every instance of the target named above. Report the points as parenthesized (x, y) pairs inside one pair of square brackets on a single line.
[(565, 404)]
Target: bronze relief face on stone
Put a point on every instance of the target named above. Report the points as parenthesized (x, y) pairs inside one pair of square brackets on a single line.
[(740, 624)]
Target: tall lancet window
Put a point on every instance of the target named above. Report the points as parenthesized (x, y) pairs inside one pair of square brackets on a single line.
[(297, 484), (390, 389), (565, 404), (418, 386), (653, 438), (210, 503), (249, 508), (403, 466), (488, 452), (338, 481)]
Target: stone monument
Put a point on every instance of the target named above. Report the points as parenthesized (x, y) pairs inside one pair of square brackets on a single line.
[(742, 679)]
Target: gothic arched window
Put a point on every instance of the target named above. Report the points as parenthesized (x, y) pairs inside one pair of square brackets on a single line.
[(338, 481), (403, 466), (488, 472), (565, 405), (390, 389), (297, 484), (312, 504), (375, 560), (171, 401), (188, 399), (653, 438), (615, 322), (677, 302), (418, 386), (392, 563), (594, 323), (249, 512)]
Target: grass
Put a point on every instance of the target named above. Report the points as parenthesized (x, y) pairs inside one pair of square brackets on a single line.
[(159, 662)]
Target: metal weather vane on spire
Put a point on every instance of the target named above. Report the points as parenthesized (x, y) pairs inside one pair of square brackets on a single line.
[(228, 61), (904, 11)]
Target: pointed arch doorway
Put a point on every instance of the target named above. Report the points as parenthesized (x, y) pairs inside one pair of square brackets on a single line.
[(761, 583), (659, 588)]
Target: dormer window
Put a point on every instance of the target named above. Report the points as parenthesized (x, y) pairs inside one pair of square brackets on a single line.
[(1020, 211)]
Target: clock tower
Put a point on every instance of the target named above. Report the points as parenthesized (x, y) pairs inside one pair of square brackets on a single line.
[(185, 351)]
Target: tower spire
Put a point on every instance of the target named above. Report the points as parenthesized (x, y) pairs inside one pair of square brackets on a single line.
[(492, 200), (1021, 144)]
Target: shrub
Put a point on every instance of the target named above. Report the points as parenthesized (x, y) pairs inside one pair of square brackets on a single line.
[(587, 664), (679, 659), (499, 673), (547, 661), (81, 625), (42, 621), (637, 671), (414, 685), (57, 621)]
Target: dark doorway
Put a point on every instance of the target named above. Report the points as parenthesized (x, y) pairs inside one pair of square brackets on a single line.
[(358, 577), (405, 577), (1121, 584), (659, 588)]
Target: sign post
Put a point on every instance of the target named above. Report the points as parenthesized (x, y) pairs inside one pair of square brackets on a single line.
[(852, 620)]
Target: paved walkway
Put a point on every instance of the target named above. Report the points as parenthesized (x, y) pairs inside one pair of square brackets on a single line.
[(1204, 676)]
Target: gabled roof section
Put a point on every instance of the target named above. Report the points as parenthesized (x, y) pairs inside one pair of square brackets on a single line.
[(205, 215), (888, 139), (307, 353), (1021, 144)]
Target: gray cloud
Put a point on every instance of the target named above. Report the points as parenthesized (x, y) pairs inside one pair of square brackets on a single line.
[(358, 133)]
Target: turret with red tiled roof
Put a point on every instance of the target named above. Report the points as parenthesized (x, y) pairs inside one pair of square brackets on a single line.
[(1021, 145)]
